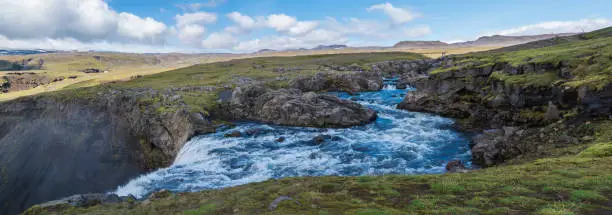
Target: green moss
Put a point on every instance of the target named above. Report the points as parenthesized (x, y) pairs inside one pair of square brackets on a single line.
[(587, 60), (369, 212), (202, 210), (217, 76), (528, 79), (531, 115), (522, 202), (448, 185), (560, 208), (598, 150), (586, 195)]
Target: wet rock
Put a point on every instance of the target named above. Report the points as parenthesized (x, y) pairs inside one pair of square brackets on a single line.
[(321, 138), (293, 107), (456, 166), (351, 82), (233, 134), (254, 131), (280, 139)]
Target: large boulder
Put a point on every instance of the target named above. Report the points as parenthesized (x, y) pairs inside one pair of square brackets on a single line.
[(295, 108), (347, 82)]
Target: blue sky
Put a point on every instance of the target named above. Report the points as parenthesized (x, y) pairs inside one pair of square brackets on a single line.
[(206, 25)]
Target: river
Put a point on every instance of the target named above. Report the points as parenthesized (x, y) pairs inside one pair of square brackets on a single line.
[(398, 142)]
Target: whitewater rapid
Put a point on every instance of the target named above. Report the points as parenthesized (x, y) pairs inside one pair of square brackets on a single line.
[(398, 142)]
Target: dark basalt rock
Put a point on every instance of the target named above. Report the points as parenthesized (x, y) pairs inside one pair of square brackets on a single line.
[(351, 82), (233, 134), (321, 138), (484, 103), (456, 166), (295, 108), (53, 148)]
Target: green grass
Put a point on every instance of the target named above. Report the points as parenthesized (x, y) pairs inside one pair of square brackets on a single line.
[(224, 74), (598, 150), (570, 184), (529, 79), (587, 195), (590, 60)]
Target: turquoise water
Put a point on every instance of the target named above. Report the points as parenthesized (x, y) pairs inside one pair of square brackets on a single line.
[(398, 142)]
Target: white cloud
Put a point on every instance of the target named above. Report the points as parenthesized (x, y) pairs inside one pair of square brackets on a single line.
[(200, 18), (372, 29), (74, 44), (92, 24), (397, 15), (197, 6), (86, 19), (417, 31), (576, 26), (242, 20), (83, 20), (191, 34), (301, 28), (146, 30), (219, 41), (281, 22), (244, 24), (312, 39)]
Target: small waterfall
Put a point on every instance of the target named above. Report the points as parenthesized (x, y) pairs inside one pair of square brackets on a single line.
[(398, 142)]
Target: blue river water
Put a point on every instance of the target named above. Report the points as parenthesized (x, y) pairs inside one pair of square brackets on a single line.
[(398, 142)]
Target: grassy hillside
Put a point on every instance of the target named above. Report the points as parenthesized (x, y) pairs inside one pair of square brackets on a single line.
[(588, 57), (216, 77), (123, 66), (573, 180), (571, 184)]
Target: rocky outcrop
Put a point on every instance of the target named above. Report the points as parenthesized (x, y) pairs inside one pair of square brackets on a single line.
[(492, 103), (480, 96), (296, 108), (52, 147), (349, 82), (496, 146), (23, 81), (406, 68), (24, 64)]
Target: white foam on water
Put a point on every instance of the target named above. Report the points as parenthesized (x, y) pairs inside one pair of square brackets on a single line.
[(399, 142)]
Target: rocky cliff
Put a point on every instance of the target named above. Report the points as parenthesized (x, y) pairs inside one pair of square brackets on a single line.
[(53, 147), (348, 82), (516, 96)]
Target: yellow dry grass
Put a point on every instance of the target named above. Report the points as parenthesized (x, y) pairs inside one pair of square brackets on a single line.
[(123, 66)]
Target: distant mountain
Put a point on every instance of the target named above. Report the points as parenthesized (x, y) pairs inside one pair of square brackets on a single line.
[(23, 52), (323, 47), (495, 40), (420, 44), (265, 50), (499, 40)]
